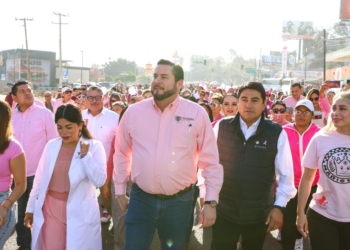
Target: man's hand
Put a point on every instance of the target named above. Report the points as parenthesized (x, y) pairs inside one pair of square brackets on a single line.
[(201, 202), (123, 202), (274, 219), (28, 220), (106, 192), (324, 88), (207, 216)]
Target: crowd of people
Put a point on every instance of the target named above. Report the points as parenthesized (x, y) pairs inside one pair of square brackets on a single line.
[(256, 160)]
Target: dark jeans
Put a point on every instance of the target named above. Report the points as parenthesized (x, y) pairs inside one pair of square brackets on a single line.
[(226, 235), (24, 236), (146, 213), (289, 231), (190, 225), (327, 234)]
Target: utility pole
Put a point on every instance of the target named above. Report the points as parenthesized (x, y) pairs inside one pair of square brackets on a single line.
[(27, 52), (82, 65), (324, 54), (60, 46)]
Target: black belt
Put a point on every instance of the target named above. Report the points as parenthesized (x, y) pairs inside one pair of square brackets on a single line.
[(167, 197)]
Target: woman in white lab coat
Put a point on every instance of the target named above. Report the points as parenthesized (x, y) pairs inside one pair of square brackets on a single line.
[(62, 208)]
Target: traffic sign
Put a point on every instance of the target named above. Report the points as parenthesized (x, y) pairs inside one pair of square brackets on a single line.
[(250, 71), (3, 76), (65, 75)]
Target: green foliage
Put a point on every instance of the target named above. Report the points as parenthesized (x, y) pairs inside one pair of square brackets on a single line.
[(217, 69)]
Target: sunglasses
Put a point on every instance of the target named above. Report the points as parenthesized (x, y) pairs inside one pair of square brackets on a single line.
[(214, 104), (202, 95), (68, 92), (82, 89), (314, 99), (281, 111)]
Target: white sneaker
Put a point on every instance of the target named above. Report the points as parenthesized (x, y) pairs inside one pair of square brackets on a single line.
[(299, 244), (279, 236), (105, 217)]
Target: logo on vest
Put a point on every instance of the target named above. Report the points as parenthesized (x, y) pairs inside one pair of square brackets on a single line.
[(263, 146), (336, 165)]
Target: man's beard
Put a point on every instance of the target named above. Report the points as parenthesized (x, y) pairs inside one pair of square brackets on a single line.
[(165, 95)]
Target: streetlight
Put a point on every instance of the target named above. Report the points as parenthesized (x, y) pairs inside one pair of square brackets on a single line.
[(82, 65), (305, 66)]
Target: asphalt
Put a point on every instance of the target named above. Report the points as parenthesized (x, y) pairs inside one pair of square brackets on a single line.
[(200, 239)]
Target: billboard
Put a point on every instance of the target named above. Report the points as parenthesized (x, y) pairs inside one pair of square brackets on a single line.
[(298, 30), (18, 70), (275, 59), (344, 10)]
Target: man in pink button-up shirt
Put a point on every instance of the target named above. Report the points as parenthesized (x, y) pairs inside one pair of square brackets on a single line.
[(33, 127), (296, 90), (159, 144)]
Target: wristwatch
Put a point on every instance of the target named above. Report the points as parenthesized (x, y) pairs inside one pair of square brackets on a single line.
[(211, 203)]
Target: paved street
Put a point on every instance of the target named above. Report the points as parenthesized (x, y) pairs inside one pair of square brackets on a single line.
[(200, 239)]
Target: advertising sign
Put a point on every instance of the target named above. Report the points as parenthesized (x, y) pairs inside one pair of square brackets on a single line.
[(284, 59), (18, 70), (298, 30), (345, 10), (149, 69)]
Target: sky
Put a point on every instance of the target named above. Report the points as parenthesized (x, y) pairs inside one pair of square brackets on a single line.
[(145, 31)]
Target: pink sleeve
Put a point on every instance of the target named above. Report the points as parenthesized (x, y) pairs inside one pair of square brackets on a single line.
[(122, 156), (110, 166), (325, 106), (15, 149), (212, 171), (310, 158)]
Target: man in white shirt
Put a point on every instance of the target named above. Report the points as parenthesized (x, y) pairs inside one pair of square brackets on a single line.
[(252, 151), (102, 124)]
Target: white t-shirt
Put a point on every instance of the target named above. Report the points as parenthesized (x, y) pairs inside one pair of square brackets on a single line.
[(330, 153), (102, 126), (319, 119)]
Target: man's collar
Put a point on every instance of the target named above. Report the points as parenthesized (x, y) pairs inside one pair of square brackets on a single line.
[(254, 125), (29, 108), (173, 104), (103, 112)]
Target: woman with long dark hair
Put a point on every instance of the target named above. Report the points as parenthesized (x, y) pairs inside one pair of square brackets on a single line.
[(63, 208), (12, 166)]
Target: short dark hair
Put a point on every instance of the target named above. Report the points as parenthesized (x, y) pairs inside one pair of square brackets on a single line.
[(72, 114), (14, 88), (74, 89), (296, 84), (254, 86), (279, 102), (176, 69)]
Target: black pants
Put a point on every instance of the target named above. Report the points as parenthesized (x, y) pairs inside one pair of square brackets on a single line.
[(226, 235), (289, 231), (327, 234)]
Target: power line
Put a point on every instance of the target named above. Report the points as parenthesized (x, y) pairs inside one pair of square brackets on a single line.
[(27, 52), (60, 45)]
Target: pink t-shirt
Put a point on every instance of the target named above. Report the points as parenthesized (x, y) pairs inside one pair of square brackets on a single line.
[(13, 150), (330, 153)]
